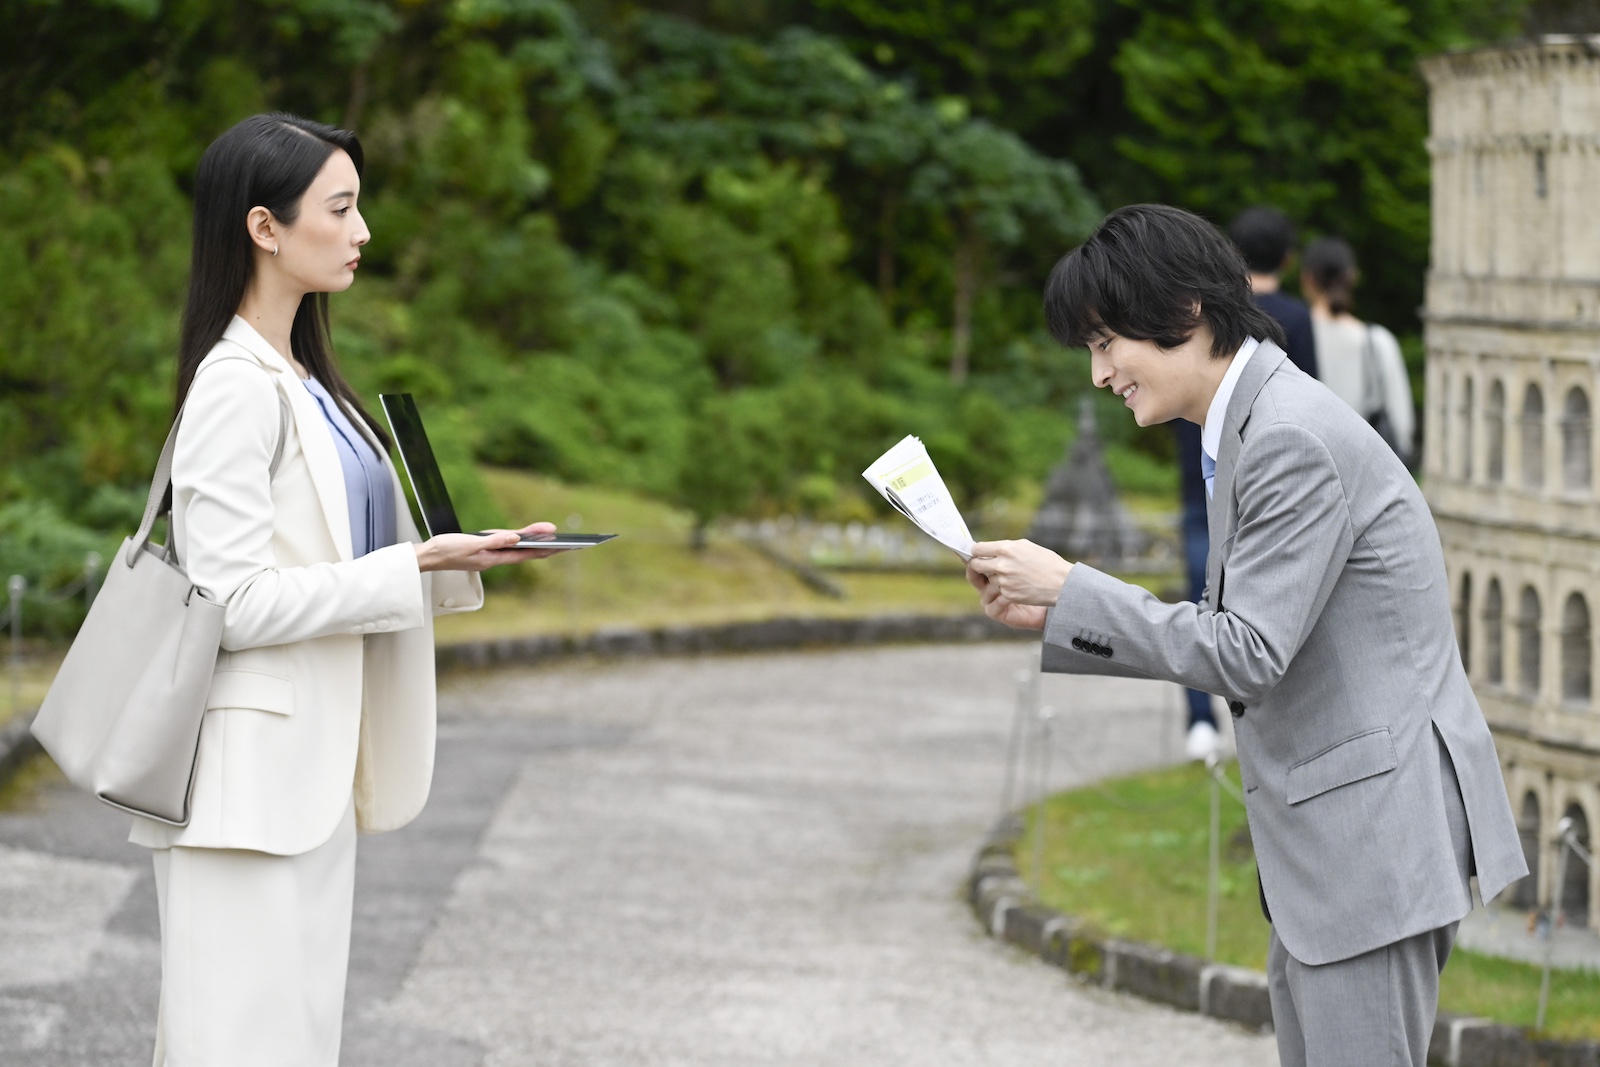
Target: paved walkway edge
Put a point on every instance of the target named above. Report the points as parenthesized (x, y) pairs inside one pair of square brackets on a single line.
[(17, 745), (1010, 912), (767, 636)]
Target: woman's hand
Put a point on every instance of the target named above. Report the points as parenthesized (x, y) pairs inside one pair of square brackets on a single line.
[(479, 552), (1019, 580)]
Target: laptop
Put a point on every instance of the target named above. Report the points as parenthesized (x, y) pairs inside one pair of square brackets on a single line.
[(427, 484)]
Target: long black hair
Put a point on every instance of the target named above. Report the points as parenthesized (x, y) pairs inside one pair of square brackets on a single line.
[(265, 161), (1153, 273), (1331, 264)]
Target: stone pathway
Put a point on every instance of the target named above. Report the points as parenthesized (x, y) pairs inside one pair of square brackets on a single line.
[(1503, 931), (732, 861)]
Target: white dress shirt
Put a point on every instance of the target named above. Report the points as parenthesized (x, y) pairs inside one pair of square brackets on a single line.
[(1211, 431)]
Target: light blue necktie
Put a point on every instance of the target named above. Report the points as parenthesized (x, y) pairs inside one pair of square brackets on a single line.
[(1208, 470)]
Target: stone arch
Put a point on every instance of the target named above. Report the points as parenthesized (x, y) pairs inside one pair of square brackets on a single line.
[(1494, 634), (1577, 447), (1528, 622), (1468, 421), (1533, 437), (1494, 426), (1575, 889), (1575, 650), (1525, 894)]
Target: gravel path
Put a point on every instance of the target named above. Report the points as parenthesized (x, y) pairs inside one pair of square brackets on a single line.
[(731, 861)]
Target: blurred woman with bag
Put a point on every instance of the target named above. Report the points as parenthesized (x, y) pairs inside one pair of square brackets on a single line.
[(285, 508), (1359, 361)]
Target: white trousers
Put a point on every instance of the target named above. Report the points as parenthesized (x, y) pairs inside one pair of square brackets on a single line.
[(254, 951)]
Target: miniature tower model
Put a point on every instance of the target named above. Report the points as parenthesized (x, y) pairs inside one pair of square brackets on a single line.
[(1513, 345), (1082, 517)]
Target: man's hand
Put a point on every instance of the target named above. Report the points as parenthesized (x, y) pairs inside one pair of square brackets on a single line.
[(1021, 616), (1020, 572)]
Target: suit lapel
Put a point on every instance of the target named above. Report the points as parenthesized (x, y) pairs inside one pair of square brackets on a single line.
[(1222, 515), (311, 429)]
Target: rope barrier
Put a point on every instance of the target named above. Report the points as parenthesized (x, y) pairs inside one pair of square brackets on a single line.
[(1032, 727), (1017, 757), (1567, 835)]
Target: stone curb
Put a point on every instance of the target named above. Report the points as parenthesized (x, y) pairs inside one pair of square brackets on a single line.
[(769, 635), (1009, 912), (17, 745)]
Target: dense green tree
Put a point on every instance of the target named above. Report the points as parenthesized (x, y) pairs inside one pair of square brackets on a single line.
[(637, 258), (1315, 106)]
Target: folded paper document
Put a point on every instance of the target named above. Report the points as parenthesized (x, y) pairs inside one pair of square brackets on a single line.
[(908, 479)]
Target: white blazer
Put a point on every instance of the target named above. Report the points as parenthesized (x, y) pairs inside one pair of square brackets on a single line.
[(325, 681)]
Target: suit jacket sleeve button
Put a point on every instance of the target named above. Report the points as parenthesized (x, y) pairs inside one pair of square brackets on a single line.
[(1236, 708), (1077, 643), (1105, 651)]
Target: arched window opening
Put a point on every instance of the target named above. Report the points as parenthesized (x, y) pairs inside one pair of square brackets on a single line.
[(1533, 438), (1526, 892), (1493, 634), (1468, 418), (1575, 646), (1575, 890), (1528, 643), (1494, 425), (1576, 442), (1464, 622)]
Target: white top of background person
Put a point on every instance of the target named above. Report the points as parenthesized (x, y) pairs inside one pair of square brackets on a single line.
[(1328, 277), (1371, 780), (320, 718)]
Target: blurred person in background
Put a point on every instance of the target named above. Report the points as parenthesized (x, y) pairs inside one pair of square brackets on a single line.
[(1265, 237), (1359, 361)]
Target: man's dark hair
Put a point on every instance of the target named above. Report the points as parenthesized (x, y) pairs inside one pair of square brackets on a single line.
[(1265, 235), (1155, 273)]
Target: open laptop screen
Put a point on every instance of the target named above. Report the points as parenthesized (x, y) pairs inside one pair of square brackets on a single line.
[(438, 515)]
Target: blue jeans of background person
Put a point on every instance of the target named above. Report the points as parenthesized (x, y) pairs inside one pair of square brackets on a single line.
[(1196, 546)]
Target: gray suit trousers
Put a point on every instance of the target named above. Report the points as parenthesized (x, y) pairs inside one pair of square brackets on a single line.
[(1376, 1009)]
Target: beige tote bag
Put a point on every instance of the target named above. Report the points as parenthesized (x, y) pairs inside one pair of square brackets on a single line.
[(122, 717)]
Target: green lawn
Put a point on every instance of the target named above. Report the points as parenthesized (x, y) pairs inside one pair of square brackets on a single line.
[(1131, 856), (649, 576)]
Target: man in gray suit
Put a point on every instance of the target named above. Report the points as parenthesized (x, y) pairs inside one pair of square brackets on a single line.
[(1371, 780)]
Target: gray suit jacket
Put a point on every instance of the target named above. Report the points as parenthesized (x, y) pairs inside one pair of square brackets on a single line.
[(1326, 625)]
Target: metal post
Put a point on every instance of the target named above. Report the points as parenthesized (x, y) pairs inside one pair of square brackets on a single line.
[(1015, 747), (1563, 833), (15, 587), (1041, 791), (1214, 877), (91, 579), (574, 602)]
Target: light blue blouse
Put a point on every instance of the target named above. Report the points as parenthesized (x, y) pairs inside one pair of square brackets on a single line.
[(369, 490)]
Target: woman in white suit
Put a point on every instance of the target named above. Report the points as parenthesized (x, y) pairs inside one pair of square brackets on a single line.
[(320, 718)]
